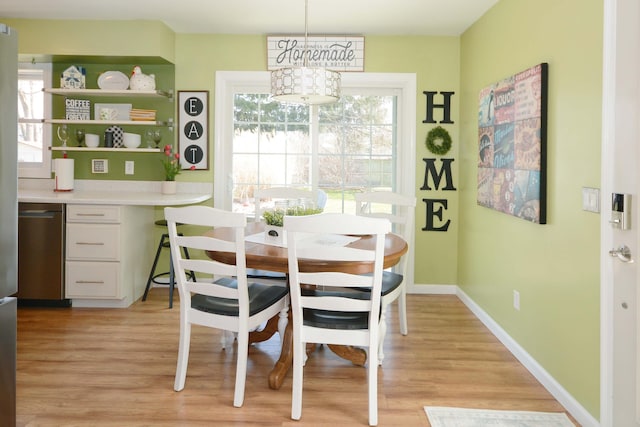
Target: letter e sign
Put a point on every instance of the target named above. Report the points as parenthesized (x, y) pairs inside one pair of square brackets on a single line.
[(193, 128)]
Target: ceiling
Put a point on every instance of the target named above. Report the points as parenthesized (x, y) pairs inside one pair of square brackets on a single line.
[(366, 17)]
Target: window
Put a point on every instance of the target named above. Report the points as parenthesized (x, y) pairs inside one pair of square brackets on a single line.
[(366, 141), (277, 145), (34, 156), (357, 144)]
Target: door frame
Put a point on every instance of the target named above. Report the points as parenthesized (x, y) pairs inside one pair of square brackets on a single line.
[(620, 160)]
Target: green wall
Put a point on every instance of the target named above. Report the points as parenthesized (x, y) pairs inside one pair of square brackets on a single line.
[(555, 267)]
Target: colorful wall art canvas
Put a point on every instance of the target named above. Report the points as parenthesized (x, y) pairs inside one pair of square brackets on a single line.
[(512, 125)]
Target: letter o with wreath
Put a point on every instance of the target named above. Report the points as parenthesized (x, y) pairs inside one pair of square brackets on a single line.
[(438, 141)]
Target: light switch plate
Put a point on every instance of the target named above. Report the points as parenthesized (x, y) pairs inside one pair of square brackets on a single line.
[(591, 199), (129, 167)]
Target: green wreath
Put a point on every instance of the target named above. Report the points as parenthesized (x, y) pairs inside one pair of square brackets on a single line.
[(438, 141)]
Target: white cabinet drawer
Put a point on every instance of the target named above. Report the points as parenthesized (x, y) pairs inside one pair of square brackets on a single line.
[(93, 213), (92, 280), (93, 242)]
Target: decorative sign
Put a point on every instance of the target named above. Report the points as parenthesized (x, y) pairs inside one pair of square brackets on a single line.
[(77, 109), (193, 128), (512, 127), (73, 78), (338, 53)]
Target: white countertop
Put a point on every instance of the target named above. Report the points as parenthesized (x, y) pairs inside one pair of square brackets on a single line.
[(140, 193)]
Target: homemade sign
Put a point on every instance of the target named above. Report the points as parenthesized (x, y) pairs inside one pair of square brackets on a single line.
[(337, 53), (512, 126), (193, 129)]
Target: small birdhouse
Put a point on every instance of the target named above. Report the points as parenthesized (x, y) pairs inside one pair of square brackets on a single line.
[(73, 78)]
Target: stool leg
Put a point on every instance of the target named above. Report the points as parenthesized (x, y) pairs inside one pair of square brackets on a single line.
[(171, 282), (186, 255), (153, 268)]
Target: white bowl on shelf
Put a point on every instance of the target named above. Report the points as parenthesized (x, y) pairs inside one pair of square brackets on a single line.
[(131, 140), (92, 140)]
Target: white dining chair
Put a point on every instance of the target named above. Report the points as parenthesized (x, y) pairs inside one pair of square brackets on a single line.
[(221, 298), (330, 312), (399, 209)]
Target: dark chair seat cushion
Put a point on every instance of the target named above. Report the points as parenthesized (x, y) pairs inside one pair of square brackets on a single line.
[(260, 297), (252, 273), (390, 282), (335, 319)]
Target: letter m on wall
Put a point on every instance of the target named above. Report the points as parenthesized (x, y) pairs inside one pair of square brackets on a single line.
[(431, 171)]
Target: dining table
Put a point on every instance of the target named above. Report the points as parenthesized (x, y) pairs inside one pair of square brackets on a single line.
[(261, 255)]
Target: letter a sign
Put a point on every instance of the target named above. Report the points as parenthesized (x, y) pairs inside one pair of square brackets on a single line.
[(193, 128)]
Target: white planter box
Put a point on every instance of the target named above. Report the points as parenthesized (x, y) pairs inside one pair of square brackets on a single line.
[(274, 235)]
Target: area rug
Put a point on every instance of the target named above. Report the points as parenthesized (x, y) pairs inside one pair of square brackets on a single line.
[(460, 417)]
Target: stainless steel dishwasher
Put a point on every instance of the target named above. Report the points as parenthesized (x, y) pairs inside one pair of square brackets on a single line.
[(41, 236)]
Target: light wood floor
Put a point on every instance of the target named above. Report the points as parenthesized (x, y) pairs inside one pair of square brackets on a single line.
[(115, 367)]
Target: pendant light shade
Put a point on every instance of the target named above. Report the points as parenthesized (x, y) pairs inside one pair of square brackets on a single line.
[(305, 85)]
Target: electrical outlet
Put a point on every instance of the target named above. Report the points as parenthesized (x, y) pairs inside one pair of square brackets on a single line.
[(128, 167), (516, 300)]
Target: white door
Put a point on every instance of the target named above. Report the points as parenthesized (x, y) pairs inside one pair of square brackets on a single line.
[(620, 160)]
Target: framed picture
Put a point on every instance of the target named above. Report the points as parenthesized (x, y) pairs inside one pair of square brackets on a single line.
[(512, 127), (193, 129)]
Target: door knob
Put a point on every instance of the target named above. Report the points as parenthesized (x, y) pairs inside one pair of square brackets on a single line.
[(623, 253)]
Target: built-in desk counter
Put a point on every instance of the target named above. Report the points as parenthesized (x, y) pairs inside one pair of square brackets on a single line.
[(128, 193), (110, 234)]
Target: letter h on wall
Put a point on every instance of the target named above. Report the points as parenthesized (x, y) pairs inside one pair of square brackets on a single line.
[(446, 107)]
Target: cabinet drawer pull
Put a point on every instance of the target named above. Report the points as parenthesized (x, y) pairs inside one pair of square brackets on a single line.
[(90, 243), (89, 214), (90, 282)]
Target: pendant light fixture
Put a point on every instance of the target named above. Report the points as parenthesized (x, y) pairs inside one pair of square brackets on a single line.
[(305, 85)]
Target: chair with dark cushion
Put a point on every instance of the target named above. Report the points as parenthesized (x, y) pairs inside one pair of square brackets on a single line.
[(222, 298), (328, 310), (399, 209)]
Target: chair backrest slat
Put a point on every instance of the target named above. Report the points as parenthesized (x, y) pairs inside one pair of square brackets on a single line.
[(204, 217)]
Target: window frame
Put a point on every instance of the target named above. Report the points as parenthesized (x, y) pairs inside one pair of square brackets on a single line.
[(39, 169), (228, 83)]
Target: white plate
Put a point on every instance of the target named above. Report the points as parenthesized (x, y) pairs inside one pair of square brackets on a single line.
[(123, 111), (113, 80)]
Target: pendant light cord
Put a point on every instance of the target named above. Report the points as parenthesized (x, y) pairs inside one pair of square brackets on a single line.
[(305, 62)]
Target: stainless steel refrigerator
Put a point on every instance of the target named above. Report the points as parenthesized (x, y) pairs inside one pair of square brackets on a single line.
[(8, 222)]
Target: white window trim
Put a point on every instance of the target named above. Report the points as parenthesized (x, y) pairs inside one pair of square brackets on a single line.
[(228, 83), (40, 170)]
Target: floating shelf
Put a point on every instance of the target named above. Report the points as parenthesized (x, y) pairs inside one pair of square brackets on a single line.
[(103, 92), (108, 122), (106, 149)]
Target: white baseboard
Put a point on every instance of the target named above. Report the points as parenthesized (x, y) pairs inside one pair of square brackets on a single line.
[(573, 406), (548, 382)]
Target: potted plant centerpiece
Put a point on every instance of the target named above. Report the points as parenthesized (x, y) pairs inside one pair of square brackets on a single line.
[(274, 220)]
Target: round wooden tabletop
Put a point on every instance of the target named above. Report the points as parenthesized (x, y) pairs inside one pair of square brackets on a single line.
[(274, 258)]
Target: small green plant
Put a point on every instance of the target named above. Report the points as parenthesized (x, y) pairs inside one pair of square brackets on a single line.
[(276, 217)]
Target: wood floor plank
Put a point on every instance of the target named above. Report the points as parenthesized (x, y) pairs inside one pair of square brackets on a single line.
[(115, 367)]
